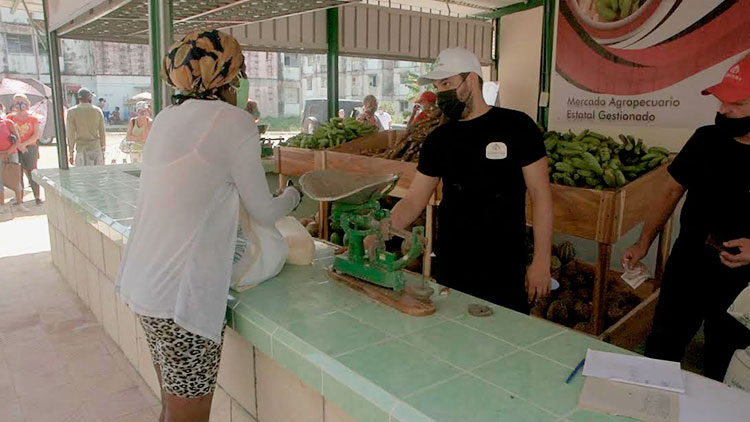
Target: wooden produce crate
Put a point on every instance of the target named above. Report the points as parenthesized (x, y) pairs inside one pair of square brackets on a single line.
[(604, 216), (630, 330)]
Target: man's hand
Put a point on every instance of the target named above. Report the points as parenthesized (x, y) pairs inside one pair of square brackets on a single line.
[(538, 281), (72, 160), (633, 255), (21, 148), (739, 260)]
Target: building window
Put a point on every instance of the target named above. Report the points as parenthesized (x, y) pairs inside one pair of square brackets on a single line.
[(403, 105), (373, 80), (19, 44), (404, 78)]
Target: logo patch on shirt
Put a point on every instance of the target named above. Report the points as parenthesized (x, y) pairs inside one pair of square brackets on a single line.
[(496, 151)]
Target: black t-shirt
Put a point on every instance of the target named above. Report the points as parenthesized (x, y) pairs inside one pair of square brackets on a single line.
[(482, 214), (715, 170)]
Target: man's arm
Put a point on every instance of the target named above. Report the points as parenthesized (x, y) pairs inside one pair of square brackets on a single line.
[(411, 206), (102, 132), (656, 216), (70, 127), (537, 182)]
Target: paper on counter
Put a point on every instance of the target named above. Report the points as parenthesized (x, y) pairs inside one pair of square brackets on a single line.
[(638, 370), (641, 403)]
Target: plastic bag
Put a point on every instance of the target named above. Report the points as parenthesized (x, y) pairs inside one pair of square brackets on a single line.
[(740, 308), (259, 254)]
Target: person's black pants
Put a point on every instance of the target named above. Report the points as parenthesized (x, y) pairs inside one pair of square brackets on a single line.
[(696, 290)]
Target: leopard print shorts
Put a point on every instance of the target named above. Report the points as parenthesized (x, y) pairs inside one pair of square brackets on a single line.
[(189, 363)]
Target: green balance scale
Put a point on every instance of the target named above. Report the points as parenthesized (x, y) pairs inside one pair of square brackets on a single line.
[(356, 209)]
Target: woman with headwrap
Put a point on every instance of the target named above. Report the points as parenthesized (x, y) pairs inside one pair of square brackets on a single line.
[(203, 162), (138, 128)]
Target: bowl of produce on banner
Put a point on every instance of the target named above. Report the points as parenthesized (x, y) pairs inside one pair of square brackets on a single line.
[(609, 15)]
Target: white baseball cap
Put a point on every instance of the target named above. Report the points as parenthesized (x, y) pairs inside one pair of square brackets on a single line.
[(450, 62)]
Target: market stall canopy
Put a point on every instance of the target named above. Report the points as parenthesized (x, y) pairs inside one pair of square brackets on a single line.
[(127, 20)]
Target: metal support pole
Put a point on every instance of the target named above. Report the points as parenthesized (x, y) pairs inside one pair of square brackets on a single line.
[(545, 75), (53, 52), (160, 38), (332, 24)]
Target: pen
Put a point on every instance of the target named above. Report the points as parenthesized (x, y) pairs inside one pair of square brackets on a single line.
[(575, 371)]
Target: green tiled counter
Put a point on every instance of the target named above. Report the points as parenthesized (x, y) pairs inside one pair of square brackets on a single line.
[(364, 358)]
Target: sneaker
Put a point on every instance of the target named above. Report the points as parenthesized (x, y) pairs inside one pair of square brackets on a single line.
[(38, 201), (4, 209), (12, 201), (21, 207)]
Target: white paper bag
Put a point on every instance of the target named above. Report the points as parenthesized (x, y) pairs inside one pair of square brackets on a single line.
[(259, 254)]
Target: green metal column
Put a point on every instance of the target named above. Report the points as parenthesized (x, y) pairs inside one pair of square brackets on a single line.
[(545, 74), (332, 24), (160, 38), (53, 53)]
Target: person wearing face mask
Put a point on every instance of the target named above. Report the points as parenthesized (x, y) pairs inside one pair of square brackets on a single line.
[(708, 266), (369, 107), (29, 130), (487, 158), (203, 162)]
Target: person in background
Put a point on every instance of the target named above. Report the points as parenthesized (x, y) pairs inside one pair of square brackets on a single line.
[(482, 216), (369, 106), (703, 276), (138, 128), (87, 136), (9, 157), (252, 108), (13, 108), (176, 270), (29, 132), (342, 113), (385, 118), (114, 118), (423, 105), (105, 108)]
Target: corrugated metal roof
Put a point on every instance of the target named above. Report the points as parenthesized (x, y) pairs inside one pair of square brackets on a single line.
[(128, 22)]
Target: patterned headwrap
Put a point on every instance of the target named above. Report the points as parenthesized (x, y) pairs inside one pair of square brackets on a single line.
[(201, 63)]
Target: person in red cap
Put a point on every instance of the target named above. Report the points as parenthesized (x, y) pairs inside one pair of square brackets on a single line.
[(426, 102), (708, 266)]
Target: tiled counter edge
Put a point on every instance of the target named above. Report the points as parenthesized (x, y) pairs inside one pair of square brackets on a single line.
[(87, 249)]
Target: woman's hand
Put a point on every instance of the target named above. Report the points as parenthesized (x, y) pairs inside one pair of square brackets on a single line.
[(740, 259)]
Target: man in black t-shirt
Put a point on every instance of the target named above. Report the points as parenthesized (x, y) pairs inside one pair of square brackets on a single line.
[(701, 280), (487, 157)]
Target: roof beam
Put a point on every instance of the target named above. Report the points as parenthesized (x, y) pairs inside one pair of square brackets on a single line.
[(92, 15)]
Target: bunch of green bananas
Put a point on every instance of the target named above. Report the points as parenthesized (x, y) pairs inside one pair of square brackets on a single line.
[(301, 140), (331, 134), (338, 130), (592, 160)]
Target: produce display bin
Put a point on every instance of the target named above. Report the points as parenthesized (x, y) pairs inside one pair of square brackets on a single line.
[(604, 216)]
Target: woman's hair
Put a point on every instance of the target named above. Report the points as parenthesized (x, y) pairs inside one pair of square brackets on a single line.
[(141, 105), (202, 63), (22, 98)]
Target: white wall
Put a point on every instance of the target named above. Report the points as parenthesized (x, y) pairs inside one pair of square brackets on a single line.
[(118, 89), (519, 60)]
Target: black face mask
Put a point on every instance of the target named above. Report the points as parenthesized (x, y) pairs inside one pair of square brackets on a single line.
[(736, 128), (449, 103)]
